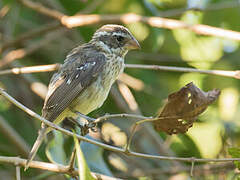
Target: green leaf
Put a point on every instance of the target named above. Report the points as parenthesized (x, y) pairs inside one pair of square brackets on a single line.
[(83, 170), (55, 149), (235, 153)]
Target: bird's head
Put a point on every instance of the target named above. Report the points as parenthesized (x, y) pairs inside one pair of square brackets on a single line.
[(115, 39)]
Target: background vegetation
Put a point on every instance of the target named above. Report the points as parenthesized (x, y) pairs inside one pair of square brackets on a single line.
[(139, 91)]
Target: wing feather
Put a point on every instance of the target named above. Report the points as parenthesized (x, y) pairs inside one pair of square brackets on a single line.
[(79, 70)]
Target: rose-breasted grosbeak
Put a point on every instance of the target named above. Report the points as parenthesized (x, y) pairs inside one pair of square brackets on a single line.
[(83, 82)]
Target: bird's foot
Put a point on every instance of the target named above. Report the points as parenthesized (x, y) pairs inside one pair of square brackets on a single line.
[(86, 124)]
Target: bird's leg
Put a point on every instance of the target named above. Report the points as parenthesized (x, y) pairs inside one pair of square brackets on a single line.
[(90, 121)]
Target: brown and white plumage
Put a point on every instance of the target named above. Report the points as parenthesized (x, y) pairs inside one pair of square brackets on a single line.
[(83, 82)]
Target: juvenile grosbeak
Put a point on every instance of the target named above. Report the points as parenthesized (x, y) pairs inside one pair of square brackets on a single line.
[(83, 82)]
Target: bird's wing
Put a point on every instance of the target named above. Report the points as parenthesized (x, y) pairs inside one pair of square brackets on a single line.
[(79, 70)]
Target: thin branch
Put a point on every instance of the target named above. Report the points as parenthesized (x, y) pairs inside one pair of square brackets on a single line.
[(192, 167), (21, 53), (54, 67), (41, 9), (199, 170), (48, 166), (233, 74), (105, 146), (30, 34), (18, 173), (31, 69), (83, 20)]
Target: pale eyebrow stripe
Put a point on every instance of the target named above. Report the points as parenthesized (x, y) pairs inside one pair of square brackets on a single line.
[(119, 34)]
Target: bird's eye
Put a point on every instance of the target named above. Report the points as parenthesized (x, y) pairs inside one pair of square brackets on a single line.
[(119, 38)]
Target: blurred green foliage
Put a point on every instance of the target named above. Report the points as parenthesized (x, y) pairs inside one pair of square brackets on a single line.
[(215, 131)]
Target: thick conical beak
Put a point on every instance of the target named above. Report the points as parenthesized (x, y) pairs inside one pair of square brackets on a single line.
[(133, 44)]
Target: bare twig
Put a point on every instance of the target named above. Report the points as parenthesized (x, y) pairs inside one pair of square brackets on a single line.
[(54, 67), (199, 170), (41, 9), (233, 74), (31, 69), (105, 146), (18, 173), (83, 20), (20, 53), (48, 166), (192, 167), (128, 97), (30, 34)]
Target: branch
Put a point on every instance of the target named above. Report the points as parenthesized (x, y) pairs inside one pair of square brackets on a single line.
[(54, 67), (108, 147), (30, 34), (83, 20), (31, 69), (233, 74), (198, 169), (20, 53), (49, 166)]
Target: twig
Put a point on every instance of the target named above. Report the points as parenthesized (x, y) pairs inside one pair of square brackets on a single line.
[(30, 34), (54, 67), (192, 167), (83, 20), (41, 9), (48, 166), (128, 97), (233, 74), (199, 170), (20, 53), (105, 146), (18, 173), (31, 69)]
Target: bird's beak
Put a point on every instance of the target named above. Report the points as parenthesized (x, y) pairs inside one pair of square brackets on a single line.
[(133, 44)]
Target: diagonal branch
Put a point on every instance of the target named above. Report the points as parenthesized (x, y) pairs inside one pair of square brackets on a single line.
[(30, 34), (105, 146), (83, 20)]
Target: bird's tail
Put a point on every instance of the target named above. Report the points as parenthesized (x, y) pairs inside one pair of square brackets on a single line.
[(41, 134)]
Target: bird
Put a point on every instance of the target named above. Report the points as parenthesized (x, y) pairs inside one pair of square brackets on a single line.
[(83, 81)]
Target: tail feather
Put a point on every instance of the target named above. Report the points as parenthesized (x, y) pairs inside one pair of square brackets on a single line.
[(41, 134)]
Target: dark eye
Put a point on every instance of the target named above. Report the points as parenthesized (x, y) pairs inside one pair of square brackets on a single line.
[(119, 38)]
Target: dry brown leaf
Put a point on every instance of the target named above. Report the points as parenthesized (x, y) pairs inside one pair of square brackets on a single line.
[(183, 107)]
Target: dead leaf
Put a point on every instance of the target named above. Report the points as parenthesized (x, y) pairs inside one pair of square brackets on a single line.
[(183, 108)]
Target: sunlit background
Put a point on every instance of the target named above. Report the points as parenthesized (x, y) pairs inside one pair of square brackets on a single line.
[(138, 91)]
